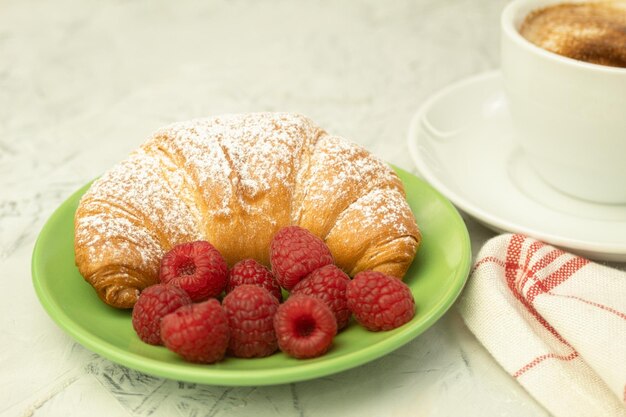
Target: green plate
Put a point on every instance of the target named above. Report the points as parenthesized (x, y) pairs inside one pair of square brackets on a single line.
[(436, 278)]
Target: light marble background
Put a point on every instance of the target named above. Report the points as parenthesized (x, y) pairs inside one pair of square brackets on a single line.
[(83, 82)]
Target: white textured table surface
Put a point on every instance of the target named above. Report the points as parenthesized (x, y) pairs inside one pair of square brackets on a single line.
[(83, 83)]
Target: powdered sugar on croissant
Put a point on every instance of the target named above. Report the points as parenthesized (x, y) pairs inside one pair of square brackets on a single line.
[(235, 180)]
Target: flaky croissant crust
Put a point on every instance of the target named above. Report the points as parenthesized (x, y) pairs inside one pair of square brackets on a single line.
[(235, 180)]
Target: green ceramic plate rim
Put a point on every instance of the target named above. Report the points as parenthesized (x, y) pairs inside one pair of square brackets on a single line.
[(234, 377)]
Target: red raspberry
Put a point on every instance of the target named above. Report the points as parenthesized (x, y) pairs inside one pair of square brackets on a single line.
[(250, 312), (305, 326), (328, 283), (196, 267), (295, 253), (153, 304), (197, 332), (379, 301), (250, 271)]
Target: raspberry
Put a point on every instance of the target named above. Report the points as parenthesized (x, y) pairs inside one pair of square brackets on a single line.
[(250, 312), (197, 332), (196, 267), (294, 253), (379, 301), (250, 271), (305, 326), (153, 304), (328, 283)]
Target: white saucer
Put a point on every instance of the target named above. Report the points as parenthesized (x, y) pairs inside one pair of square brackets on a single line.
[(461, 140)]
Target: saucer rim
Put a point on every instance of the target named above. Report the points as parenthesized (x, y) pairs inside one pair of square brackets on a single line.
[(599, 250)]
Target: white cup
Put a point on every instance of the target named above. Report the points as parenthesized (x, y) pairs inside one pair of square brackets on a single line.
[(569, 116)]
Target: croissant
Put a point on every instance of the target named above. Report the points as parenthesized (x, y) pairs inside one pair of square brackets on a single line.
[(234, 180)]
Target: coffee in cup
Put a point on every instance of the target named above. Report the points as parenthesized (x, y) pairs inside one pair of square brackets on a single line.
[(593, 32)]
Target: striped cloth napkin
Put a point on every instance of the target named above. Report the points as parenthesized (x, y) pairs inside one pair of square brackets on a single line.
[(555, 321)]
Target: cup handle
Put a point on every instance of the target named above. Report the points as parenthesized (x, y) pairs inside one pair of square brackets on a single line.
[(436, 133)]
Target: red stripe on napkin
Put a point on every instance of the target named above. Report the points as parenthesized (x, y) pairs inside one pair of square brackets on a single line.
[(557, 277), (488, 259), (542, 358), (539, 265), (592, 303), (513, 255)]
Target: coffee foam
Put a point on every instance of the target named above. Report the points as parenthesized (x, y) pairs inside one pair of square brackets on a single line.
[(593, 32)]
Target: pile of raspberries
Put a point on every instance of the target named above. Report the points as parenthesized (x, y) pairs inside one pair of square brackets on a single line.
[(184, 312)]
